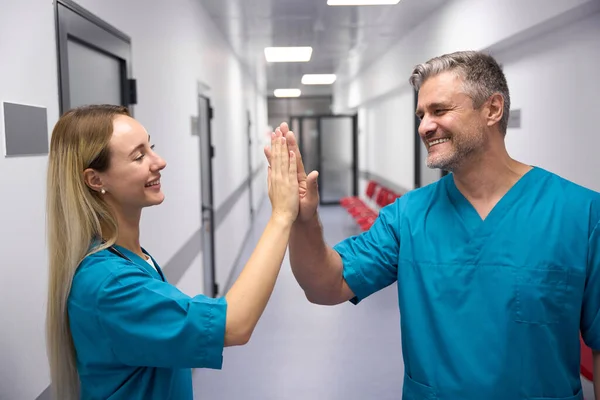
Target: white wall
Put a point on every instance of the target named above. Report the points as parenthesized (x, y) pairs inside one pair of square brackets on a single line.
[(389, 137), (458, 25), (30, 77), (175, 45), (380, 92), (554, 81)]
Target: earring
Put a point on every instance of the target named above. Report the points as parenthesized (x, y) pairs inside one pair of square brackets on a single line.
[(103, 191)]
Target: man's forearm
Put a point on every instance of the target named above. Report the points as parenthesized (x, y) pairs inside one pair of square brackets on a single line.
[(316, 266)]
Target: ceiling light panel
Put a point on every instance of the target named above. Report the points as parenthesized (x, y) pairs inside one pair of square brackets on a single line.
[(287, 92), (361, 2), (318, 79), (288, 54)]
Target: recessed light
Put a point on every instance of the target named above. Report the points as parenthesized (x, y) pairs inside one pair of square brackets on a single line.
[(288, 54), (318, 79), (361, 2), (287, 92)]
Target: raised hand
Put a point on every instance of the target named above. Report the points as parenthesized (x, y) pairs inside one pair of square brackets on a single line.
[(307, 184), (282, 180)]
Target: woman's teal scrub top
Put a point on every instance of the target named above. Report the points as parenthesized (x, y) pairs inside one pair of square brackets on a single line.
[(137, 336), (490, 309)]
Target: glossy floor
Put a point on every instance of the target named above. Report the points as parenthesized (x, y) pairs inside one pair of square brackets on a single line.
[(302, 351)]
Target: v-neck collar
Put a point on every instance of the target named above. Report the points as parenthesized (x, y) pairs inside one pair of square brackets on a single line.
[(478, 231), (141, 262), (469, 214)]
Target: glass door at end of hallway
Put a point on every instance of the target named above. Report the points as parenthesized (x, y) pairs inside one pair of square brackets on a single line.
[(328, 144)]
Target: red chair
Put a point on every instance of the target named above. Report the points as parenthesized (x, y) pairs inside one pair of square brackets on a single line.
[(382, 197), (366, 222), (354, 201), (587, 361), (360, 210), (392, 196)]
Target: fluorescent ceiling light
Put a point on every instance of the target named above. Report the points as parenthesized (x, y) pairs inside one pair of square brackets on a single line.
[(288, 54), (287, 92), (318, 79), (361, 2)]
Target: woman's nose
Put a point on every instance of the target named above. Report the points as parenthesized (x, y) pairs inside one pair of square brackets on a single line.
[(159, 163)]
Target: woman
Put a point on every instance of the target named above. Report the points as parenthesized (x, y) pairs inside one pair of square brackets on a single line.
[(116, 329)]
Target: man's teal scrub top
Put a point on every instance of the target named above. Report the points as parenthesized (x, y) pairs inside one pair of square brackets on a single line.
[(137, 336), (490, 309)]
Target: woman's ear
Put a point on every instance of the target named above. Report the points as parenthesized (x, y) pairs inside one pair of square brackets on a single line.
[(92, 180)]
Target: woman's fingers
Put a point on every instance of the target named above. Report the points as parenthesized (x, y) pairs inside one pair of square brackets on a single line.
[(284, 157), (293, 168), (275, 157)]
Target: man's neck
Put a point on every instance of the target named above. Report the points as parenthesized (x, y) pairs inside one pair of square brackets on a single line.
[(487, 177)]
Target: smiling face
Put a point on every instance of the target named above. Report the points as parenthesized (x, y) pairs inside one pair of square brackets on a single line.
[(132, 180), (451, 129)]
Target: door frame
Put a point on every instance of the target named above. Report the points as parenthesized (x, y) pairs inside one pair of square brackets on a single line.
[(211, 287), (319, 118), (77, 24)]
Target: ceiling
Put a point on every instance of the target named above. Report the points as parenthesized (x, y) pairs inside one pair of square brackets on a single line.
[(345, 40)]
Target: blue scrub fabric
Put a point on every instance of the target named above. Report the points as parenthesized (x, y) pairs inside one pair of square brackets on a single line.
[(136, 336), (490, 309)]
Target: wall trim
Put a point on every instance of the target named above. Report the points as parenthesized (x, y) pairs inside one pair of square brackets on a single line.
[(45, 395), (230, 202), (391, 185), (234, 268)]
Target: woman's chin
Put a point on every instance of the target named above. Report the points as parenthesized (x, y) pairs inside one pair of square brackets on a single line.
[(155, 200)]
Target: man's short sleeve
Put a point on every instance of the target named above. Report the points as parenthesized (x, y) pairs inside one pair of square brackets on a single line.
[(371, 258), (590, 313)]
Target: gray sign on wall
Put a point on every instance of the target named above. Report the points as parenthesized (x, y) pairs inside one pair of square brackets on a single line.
[(514, 118), (25, 130)]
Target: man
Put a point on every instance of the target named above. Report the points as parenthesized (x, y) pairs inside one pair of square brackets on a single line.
[(497, 264)]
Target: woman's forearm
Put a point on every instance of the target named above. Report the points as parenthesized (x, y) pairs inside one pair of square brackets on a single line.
[(248, 297)]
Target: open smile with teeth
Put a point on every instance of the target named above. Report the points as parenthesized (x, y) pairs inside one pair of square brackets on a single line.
[(153, 183), (438, 141)]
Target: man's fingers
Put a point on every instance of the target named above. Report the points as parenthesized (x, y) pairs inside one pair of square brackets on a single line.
[(293, 167), (312, 184), (292, 143), (293, 146), (284, 128), (291, 140)]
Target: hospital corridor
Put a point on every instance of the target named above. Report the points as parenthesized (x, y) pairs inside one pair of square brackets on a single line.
[(164, 234), (304, 351)]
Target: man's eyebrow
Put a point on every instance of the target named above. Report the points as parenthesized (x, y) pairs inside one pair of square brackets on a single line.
[(432, 105)]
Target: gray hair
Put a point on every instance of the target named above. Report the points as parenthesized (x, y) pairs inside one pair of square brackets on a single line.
[(481, 73)]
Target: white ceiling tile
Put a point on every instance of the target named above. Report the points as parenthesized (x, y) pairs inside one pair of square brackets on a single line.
[(344, 39)]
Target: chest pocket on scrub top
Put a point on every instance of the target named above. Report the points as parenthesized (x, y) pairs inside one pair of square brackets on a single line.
[(540, 294)]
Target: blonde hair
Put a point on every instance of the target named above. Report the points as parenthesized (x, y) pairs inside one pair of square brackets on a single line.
[(79, 223)]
